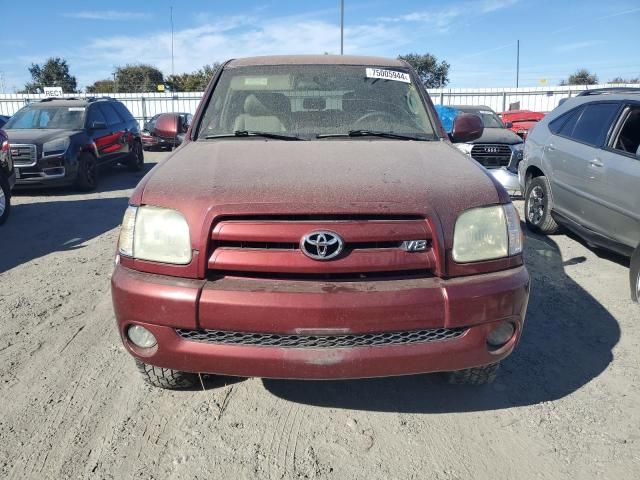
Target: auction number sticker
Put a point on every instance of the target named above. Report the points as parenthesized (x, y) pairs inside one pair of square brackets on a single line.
[(76, 109), (388, 75)]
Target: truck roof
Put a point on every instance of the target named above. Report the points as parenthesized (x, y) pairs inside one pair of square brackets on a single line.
[(317, 60)]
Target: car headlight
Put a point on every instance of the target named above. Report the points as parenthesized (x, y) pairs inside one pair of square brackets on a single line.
[(487, 233), (155, 234), (55, 147), (464, 147), (518, 149)]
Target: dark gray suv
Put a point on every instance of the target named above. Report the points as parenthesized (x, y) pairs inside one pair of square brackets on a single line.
[(581, 170)]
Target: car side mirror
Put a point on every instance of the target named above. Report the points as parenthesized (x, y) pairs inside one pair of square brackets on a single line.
[(467, 127), (508, 124), (638, 152), (97, 125)]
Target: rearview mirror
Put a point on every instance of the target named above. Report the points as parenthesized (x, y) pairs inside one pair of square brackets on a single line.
[(466, 128), (97, 125)]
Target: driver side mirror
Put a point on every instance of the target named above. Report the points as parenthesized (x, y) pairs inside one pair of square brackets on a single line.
[(638, 152), (508, 124), (98, 125), (467, 127)]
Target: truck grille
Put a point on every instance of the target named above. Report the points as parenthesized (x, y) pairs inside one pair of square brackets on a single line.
[(491, 155), (24, 155), (320, 341), (270, 246)]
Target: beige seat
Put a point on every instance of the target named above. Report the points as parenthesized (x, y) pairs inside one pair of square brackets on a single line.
[(258, 117)]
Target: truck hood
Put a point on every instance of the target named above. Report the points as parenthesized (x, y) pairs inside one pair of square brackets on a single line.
[(328, 177), (498, 135), (37, 136)]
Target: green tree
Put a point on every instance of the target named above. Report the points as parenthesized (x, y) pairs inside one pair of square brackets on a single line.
[(195, 81), (581, 77), (138, 78), (53, 73), (433, 74), (625, 80), (102, 86)]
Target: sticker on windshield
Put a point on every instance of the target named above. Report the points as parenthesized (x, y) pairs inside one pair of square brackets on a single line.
[(256, 81), (388, 75), (76, 109)]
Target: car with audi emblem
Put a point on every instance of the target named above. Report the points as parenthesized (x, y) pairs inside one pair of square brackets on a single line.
[(311, 226), (498, 149)]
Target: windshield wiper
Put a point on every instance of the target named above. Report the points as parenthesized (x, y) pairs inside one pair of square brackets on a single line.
[(251, 133), (372, 133)]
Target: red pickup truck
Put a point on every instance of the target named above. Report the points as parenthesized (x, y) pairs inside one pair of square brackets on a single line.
[(317, 223), (521, 121)]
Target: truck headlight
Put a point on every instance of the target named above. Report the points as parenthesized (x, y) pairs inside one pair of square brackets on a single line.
[(464, 147), (55, 147), (155, 234), (487, 233)]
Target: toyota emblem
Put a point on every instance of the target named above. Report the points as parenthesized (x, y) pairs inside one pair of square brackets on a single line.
[(321, 245)]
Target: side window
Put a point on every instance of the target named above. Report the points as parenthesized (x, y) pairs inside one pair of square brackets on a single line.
[(628, 139), (566, 122), (110, 114), (594, 123), (95, 115), (122, 111)]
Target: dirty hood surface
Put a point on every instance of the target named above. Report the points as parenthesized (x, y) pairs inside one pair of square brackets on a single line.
[(247, 177)]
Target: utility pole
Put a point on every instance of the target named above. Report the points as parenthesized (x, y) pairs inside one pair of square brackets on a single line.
[(171, 19), (518, 65), (341, 27)]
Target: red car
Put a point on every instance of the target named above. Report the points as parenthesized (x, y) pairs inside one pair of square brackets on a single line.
[(521, 121), (311, 227), (165, 130)]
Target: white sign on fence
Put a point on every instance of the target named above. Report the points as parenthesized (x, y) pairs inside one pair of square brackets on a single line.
[(53, 91)]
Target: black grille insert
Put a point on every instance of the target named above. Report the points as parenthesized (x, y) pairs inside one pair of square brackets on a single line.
[(321, 341)]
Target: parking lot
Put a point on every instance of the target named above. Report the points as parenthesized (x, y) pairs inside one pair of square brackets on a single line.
[(564, 405)]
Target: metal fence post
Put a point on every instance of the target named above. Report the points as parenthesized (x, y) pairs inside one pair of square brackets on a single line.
[(504, 101), (441, 97), (144, 110)]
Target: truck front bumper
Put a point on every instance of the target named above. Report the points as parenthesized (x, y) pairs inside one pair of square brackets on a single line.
[(320, 330)]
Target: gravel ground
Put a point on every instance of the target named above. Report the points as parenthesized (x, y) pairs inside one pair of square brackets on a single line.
[(565, 405)]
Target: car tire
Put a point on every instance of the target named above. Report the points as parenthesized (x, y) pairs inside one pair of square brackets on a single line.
[(5, 200), (87, 179), (135, 162), (166, 377), (475, 376), (538, 206), (634, 275)]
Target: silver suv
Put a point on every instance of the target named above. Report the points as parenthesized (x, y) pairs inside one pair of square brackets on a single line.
[(581, 170)]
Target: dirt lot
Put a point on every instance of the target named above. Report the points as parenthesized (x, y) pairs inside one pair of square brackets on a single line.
[(566, 404)]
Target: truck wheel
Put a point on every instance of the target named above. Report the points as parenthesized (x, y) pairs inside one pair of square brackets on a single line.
[(537, 206), (475, 376), (5, 200), (166, 377), (135, 162), (634, 275), (87, 179)]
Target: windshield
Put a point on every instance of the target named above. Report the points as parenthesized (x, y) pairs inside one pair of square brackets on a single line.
[(47, 117), (310, 100), (489, 118)]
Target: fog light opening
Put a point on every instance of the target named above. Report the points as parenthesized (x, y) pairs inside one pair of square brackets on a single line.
[(141, 337), (500, 335)]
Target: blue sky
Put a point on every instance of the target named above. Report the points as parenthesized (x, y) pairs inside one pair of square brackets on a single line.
[(477, 37)]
